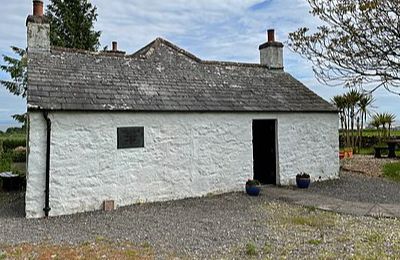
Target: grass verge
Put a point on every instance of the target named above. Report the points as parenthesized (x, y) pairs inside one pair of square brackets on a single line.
[(391, 171)]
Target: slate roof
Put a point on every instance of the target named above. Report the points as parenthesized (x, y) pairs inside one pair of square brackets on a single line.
[(161, 77)]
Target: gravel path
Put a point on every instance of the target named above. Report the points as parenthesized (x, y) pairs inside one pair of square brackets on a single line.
[(215, 226), (357, 187), (230, 226), (194, 227)]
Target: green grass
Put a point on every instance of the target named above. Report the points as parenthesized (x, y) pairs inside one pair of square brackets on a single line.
[(251, 249), (392, 171), (318, 221), (315, 242)]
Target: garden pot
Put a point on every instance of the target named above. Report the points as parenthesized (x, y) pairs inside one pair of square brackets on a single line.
[(253, 190), (302, 183), (348, 153)]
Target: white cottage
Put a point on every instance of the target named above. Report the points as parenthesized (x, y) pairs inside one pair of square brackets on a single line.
[(162, 124)]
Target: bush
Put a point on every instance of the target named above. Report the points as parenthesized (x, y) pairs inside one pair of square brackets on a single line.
[(367, 141), (11, 144), (5, 162), (18, 156)]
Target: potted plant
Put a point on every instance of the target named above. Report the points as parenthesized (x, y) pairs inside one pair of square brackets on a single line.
[(253, 187), (302, 180), (348, 152)]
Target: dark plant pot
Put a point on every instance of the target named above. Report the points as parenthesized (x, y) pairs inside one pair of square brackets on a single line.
[(302, 183), (12, 183), (253, 190)]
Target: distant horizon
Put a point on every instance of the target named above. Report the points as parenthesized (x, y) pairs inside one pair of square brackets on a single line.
[(7, 123)]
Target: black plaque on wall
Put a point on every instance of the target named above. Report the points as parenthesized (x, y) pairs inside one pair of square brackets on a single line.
[(130, 137)]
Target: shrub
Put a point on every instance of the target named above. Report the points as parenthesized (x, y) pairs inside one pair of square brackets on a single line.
[(11, 144), (302, 175), (18, 156), (5, 162), (252, 182)]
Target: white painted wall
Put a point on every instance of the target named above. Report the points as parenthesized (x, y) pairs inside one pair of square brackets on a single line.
[(185, 155)]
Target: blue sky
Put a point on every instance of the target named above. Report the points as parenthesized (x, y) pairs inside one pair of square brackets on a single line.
[(228, 30)]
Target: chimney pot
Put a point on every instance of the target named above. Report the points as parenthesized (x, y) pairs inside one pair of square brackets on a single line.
[(114, 46), (38, 8), (271, 35)]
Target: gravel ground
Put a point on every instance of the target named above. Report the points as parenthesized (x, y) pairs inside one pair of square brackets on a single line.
[(366, 165), (227, 226), (230, 226), (357, 187), (195, 227)]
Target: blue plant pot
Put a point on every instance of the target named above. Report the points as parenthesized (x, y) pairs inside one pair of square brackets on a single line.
[(253, 190), (302, 183)]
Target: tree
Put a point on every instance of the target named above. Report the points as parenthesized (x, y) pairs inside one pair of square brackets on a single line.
[(340, 103), (357, 45), (71, 24), (353, 108), (376, 122), (16, 67), (363, 104), (352, 98), (383, 119)]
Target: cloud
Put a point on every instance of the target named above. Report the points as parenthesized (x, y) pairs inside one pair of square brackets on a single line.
[(211, 29)]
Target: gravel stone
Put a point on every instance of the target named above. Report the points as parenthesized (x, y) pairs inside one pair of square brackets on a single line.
[(360, 188), (366, 165), (221, 225), (194, 227)]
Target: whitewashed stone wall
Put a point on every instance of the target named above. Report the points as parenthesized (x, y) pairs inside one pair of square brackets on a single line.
[(185, 155)]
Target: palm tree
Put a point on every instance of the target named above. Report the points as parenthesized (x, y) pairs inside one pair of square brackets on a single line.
[(376, 122), (389, 119), (339, 102), (365, 101), (352, 98)]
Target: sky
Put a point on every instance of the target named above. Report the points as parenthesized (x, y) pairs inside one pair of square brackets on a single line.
[(227, 30)]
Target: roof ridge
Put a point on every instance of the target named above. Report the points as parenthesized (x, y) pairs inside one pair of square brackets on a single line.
[(144, 52), (82, 51)]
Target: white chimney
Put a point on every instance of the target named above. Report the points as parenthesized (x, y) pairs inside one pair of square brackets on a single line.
[(38, 29), (271, 52)]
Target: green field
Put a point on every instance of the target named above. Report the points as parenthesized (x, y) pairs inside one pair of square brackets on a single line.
[(374, 132)]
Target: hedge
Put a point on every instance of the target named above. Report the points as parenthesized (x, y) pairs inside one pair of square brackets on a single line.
[(18, 156), (366, 141), (11, 144)]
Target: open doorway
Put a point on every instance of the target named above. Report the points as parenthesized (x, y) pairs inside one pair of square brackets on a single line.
[(264, 151)]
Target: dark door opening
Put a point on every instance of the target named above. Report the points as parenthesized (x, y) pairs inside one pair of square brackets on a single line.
[(264, 151)]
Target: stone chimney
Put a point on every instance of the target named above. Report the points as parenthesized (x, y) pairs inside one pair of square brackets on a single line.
[(38, 29), (271, 52)]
